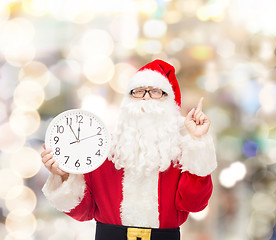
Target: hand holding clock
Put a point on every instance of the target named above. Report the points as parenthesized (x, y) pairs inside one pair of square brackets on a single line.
[(51, 164)]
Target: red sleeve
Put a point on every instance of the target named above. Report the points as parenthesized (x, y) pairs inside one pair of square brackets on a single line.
[(86, 208), (193, 192)]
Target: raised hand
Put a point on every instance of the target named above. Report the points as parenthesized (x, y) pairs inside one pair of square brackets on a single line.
[(196, 122), (51, 164)]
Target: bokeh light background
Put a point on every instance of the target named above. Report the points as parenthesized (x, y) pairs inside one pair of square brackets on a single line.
[(58, 55)]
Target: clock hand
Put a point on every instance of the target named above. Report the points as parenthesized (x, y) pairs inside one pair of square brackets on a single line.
[(73, 132), (84, 138), (79, 132), (89, 137)]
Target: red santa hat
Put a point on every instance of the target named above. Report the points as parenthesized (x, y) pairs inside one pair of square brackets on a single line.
[(157, 74)]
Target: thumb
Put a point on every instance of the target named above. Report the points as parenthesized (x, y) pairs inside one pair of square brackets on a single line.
[(190, 114), (44, 146)]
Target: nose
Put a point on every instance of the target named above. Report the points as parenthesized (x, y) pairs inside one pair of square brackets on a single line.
[(147, 96)]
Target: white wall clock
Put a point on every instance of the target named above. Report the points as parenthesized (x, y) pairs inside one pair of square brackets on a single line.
[(79, 140)]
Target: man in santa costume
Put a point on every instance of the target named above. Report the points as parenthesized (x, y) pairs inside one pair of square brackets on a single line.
[(158, 169)]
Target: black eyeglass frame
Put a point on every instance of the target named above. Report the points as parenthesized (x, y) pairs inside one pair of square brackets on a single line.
[(149, 92)]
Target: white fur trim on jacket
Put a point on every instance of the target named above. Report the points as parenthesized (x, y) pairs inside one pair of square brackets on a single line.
[(198, 155), (140, 199), (66, 195), (151, 78)]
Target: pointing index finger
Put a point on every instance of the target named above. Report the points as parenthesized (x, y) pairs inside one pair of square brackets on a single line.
[(200, 103)]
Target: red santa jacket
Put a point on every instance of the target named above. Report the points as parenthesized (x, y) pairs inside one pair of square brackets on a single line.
[(178, 194), (159, 200)]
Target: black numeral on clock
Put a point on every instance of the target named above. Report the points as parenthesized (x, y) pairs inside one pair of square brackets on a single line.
[(57, 151), (77, 163), (67, 158), (56, 139), (69, 121), (101, 142), (89, 161), (99, 132), (79, 118), (60, 129), (98, 153)]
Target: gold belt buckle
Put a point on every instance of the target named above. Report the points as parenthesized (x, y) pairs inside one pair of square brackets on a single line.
[(140, 233)]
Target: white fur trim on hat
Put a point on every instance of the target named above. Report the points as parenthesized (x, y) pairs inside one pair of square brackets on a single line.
[(66, 195), (150, 78), (198, 155)]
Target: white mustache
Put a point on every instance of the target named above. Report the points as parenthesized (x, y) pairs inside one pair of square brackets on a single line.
[(138, 107)]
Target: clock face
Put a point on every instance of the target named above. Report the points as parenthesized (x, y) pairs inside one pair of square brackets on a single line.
[(79, 140)]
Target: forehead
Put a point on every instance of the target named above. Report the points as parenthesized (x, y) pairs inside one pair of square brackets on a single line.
[(147, 87)]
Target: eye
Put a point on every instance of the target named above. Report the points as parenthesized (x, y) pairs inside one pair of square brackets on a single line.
[(156, 91), (139, 92)]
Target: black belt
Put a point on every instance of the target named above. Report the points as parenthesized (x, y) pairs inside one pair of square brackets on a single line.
[(117, 232)]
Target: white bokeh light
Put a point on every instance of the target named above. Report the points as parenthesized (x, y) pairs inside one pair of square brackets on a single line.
[(96, 42), (230, 176), (28, 95), (155, 28), (20, 223), (10, 141), (98, 69), (24, 123), (8, 180), (26, 161), (94, 104), (21, 197), (198, 216)]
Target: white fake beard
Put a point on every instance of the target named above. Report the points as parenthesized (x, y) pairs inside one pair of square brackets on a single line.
[(147, 136)]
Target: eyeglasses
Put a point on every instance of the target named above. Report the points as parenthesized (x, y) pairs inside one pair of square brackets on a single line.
[(155, 93)]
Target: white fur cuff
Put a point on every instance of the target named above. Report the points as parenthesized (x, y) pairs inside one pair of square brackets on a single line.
[(66, 195), (198, 155)]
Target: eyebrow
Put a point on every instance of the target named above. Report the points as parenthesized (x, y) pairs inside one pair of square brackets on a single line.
[(146, 87)]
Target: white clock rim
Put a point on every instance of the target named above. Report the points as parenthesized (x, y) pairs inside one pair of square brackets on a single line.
[(52, 123)]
